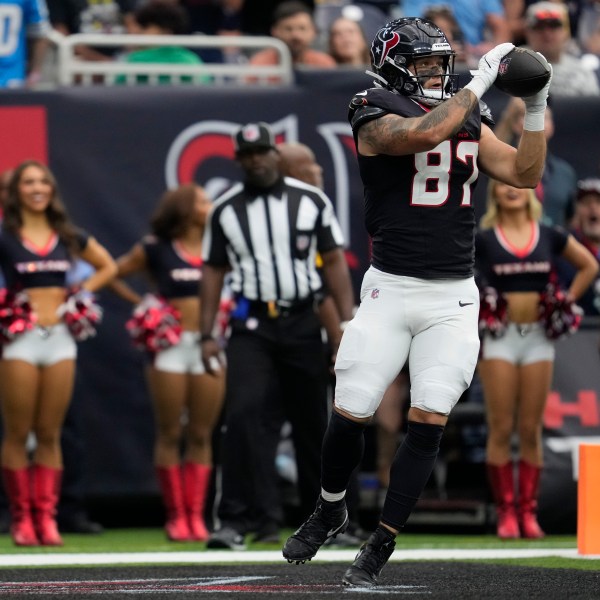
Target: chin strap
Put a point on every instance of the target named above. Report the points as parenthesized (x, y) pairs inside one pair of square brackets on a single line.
[(430, 100)]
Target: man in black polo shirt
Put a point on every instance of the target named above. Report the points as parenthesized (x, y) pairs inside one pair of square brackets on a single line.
[(267, 231)]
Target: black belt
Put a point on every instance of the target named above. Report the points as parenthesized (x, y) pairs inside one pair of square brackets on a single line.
[(280, 308)]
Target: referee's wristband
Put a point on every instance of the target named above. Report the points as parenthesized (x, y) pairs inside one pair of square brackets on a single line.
[(205, 337)]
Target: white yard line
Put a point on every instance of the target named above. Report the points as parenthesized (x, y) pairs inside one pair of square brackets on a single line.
[(228, 557)]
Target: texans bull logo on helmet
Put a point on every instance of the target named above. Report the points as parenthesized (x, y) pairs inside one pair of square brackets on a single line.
[(386, 40)]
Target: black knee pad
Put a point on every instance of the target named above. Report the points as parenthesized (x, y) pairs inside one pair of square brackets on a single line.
[(423, 440)]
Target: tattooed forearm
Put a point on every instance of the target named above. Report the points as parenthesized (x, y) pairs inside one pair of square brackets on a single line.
[(442, 112), (392, 134)]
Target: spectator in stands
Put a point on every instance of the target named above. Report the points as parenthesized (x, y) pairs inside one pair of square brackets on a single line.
[(514, 11), (230, 24), (37, 368), (213, 17), (515, 256), (348, 44), (557, 189), (206, 16), (588, 34), (91, 16), (588, 31), (547, 31), (586, 229), (483, 24), (294, 25), (444, 18), (24, 26), (187, 401), (161, 17), (257, 15)]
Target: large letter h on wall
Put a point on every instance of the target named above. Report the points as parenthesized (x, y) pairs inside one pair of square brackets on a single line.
[(585, 408)]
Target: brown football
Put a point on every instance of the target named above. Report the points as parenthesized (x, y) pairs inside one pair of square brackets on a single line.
[(522, 72)]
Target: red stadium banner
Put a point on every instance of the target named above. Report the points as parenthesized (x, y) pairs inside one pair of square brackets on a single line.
[(23, 135)]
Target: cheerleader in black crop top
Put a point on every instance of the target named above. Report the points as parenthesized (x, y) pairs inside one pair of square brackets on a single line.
[(171, 257), (38, 244), (516, 255)]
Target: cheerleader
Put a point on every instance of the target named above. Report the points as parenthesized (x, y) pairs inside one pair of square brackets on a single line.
[(187, 401), (41, 320), (515, 260)]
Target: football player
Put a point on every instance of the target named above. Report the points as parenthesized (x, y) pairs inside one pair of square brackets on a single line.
[(420, 147)]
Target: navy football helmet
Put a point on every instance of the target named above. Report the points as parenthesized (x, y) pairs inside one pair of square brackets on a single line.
[(396, 46)]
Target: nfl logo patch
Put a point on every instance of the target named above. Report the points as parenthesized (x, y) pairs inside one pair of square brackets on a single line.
[(375, 294), (251, 133)]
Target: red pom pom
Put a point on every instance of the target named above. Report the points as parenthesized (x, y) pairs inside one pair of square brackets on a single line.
[(226, 305), (560, 316), (81, 314), (16, 314), (493, 315), (154, 325)]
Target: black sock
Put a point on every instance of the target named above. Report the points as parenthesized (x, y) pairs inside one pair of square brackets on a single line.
[(410, 471), (383, 534), (343, 447)]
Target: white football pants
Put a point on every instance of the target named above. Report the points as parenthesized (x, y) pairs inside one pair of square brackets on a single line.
[(432, 322)]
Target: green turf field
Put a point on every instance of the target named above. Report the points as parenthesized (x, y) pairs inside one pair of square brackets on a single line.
[(154, 541)]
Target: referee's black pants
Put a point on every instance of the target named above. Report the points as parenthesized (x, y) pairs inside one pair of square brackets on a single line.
[(273, 365)]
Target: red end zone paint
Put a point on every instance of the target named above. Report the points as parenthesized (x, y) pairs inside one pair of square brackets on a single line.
[(243, 584)]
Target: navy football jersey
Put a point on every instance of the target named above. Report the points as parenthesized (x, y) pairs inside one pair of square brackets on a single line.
[(419, 207), (27, 266), (510, 269), (177, 274)]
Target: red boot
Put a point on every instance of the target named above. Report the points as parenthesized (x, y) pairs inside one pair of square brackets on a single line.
[(169, 479), (196, 479), (46, 486), (18, 490), (529, 480), (503, 488)]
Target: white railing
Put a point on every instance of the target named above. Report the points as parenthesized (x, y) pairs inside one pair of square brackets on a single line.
[(71, 69)]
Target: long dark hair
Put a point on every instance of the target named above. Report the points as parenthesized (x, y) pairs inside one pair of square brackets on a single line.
[(56, 213), (174, 212)]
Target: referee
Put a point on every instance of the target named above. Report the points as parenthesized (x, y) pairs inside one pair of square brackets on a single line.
[(267, 232)]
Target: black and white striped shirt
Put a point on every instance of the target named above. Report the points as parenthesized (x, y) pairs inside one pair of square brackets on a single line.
[(270, 238)]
